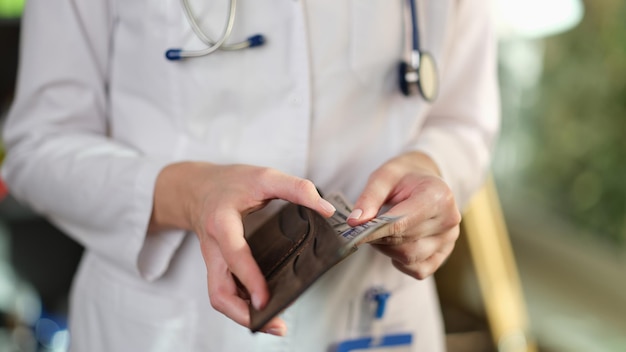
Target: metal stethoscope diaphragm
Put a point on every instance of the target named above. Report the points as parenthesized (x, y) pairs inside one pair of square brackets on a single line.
[(418, 73)]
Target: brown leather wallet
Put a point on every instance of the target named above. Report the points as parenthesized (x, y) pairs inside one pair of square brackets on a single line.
[(293, 249)]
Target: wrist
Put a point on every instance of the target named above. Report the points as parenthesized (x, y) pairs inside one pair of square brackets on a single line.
[(170, 207)]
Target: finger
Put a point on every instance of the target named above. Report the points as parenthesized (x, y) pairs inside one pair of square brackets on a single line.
[(296, 190), (226, 296), (399, 254), (412, 228), (422, 221), (276, 326), (424, 269), (409, 253), (374, 195), (388, 230), (401, 229), (414, 249), (238, 256), (222, 288)]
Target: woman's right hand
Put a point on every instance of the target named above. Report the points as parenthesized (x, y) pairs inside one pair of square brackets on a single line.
[(212, 200)]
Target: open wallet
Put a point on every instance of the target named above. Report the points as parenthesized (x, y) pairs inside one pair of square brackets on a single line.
[(297, 245)]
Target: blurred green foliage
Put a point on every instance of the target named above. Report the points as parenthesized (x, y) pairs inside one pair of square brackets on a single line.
[(11, 8), (579, 122)]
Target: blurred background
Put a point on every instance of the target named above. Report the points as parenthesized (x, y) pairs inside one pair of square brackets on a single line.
[(559, 168)]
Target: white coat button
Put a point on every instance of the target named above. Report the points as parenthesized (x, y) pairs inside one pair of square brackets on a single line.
[(295, 100)]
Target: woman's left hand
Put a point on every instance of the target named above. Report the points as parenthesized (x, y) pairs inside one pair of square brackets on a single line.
[(421, 240)]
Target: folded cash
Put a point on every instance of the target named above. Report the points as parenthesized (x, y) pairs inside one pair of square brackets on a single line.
[(352, 235)]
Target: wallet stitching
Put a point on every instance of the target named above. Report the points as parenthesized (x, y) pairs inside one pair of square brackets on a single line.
[(283, 259), (257, 321), (296, 249)]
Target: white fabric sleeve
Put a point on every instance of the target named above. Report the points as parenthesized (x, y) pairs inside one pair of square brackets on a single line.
[(60, 160), (460, 131)]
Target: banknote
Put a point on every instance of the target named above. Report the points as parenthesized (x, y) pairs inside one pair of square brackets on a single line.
[(352, 235), (339, 220)]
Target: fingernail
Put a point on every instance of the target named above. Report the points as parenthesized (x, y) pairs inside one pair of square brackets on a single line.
[(326, 205), (256, 302), (276, 331), (355, 214)]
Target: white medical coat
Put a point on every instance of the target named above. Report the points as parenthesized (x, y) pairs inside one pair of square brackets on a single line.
[(99, 112)]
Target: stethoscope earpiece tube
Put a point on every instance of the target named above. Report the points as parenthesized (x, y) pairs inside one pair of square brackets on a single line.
[(256, 40), (253, 41), (176, 54), (173, 54), (419, 74)]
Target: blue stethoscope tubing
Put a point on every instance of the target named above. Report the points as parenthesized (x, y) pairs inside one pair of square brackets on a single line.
[(418, 73), (415, 37)]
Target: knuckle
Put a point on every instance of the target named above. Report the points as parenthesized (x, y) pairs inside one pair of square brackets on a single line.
[(452, 221), (423, 270), (417, 270), (218, 301), (422, 274), (409, 254), (392, 240), (406, 259), (264, 175), (447, 191), (212, 222), (457, 217), (367, 199), (399, 228), (439, 192), (430, 186), (381, 172), (305, 187), (453, 235)]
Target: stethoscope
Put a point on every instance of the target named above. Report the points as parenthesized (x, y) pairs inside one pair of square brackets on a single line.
[(417, 73), (251, 42)]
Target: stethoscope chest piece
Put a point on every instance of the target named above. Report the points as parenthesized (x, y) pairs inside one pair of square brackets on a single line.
[(420, 76)]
